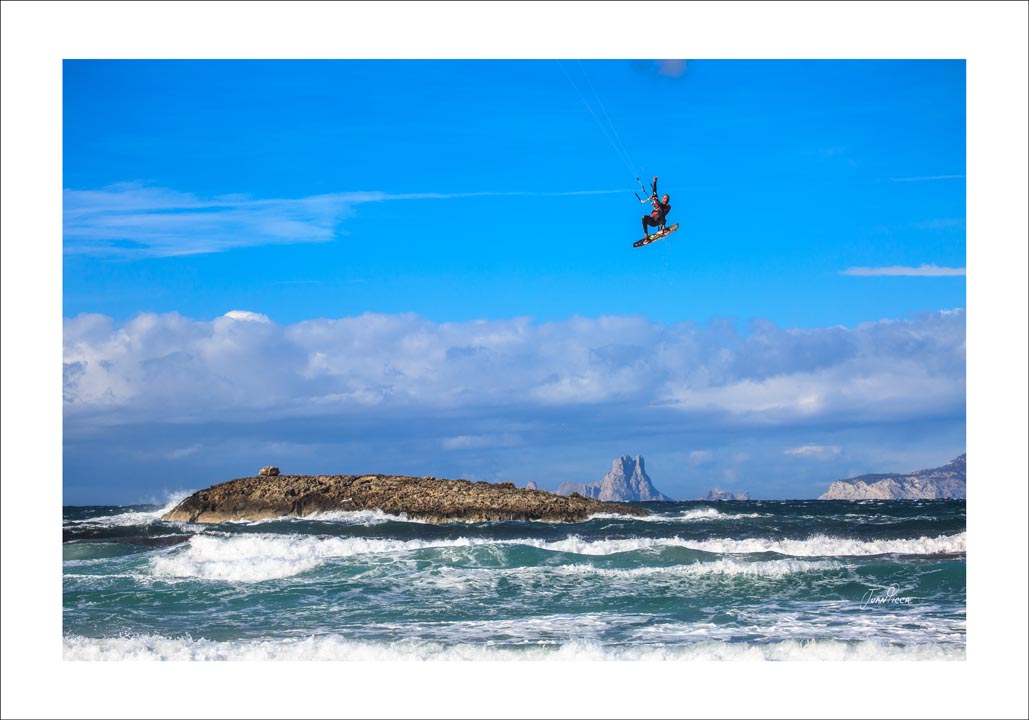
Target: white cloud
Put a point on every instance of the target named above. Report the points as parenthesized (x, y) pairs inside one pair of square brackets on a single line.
[(247, 316), (468, 442), (244, 365), (133, 219), (699, 457), (180, 453), (901, 270), (821, 452)]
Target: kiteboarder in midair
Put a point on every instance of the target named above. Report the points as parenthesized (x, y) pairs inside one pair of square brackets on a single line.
[(661, 210)]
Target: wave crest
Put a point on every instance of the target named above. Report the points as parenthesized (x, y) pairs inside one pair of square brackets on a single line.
[(815, 546), (255, 558), (335, 647)]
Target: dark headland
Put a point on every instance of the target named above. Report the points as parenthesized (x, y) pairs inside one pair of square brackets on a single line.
[(421, 498)]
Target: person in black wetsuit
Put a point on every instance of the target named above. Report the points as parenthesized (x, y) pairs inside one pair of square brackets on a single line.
[(662, 208)]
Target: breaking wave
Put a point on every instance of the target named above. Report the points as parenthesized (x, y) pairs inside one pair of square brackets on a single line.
[(816, 546), (260, 557), (138, 517), (254, 558), (336, 647), (705, 513), (346, 517)]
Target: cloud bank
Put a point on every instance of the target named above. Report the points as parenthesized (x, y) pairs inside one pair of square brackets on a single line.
[(164, 402), (168, 366)]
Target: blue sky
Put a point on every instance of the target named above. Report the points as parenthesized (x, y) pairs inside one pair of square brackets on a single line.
[(432, 270)]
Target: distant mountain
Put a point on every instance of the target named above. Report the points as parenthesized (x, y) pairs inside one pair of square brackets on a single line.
[(942, 482), (719, 494), (627, 482)]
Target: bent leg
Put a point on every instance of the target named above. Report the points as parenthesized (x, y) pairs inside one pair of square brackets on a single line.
[(649, 221)]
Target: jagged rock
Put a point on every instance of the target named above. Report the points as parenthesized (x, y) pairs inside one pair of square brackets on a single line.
[(718, 494), (430, 499), (268, 471), (627, 482), (947, 481)]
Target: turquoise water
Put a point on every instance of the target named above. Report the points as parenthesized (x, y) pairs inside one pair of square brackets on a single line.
[(766, 580)]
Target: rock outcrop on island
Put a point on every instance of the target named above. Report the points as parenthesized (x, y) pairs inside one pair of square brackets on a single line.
[(627, 482), (947, 481), (426, 498), (717, 494)]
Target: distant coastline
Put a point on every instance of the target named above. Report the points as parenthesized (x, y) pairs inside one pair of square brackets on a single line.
[(945, 482)]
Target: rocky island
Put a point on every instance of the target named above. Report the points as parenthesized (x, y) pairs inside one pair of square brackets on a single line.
[(270, 495), (720, 495)]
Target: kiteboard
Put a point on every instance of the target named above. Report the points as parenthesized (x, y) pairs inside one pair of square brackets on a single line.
[(656, 236)]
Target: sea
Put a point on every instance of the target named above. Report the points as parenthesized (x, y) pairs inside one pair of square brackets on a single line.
[(758, 580)]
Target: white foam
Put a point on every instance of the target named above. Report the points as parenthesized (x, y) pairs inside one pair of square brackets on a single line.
[(337, 647), (462, 580), (828, 546), (617, 516), (136, 518), (766, 568), (255, 558), (840, 620), (816, 546), (362, 517), (260, 557), (121, 519), (699, 513), (344, 517), (879, 519), (705, 513)]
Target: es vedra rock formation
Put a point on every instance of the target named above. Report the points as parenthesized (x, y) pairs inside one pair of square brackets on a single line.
[(627, 482), (271, 495), (947, 481)]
